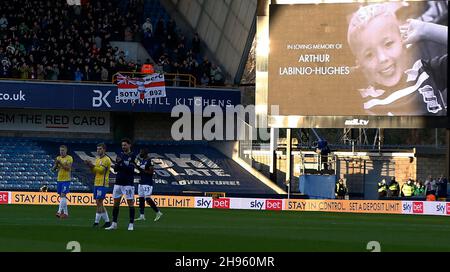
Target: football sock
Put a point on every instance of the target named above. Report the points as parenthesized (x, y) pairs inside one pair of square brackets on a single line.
[(115, 214), (97, 217), (60, 209), (64, 205), (142, 205), (105, 216), (152, 204), (132, 214)]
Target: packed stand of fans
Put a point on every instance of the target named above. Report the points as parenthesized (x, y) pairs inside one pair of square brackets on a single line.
[(174, 54), (50, 40)]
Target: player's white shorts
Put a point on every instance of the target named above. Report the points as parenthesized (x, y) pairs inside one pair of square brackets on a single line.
[(145, 190), (120, 190)]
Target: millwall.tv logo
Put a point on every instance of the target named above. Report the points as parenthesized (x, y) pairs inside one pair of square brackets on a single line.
[(356, 122)]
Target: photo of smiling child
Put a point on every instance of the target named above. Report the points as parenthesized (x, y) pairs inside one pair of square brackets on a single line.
[(400, 82)]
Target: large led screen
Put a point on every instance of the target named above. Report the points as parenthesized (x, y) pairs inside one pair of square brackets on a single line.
[(353, 59)]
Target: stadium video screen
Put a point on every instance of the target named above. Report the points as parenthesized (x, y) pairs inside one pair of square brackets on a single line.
[(377, 59)]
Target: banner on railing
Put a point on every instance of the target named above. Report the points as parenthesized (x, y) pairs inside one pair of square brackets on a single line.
[(137, 88)]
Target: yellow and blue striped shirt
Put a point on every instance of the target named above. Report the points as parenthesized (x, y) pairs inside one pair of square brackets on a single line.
[(101, 170), (64, 175)]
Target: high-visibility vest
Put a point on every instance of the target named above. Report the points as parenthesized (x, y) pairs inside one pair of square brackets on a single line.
[(407, 190), (381, 187), (340, 188), (393, 187), (147, 69)]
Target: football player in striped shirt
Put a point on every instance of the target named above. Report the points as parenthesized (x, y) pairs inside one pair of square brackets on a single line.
[(63, 163), (101, 169)]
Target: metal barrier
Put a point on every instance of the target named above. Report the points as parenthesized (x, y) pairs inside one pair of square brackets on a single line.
[(310, 161), (246, 143)]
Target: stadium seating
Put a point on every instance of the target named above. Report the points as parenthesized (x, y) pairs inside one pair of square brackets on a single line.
[(180, 167), (24, 165)]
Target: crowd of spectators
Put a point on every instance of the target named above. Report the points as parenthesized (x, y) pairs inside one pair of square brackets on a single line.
[(431, 189), (174, 54), (50, 40)]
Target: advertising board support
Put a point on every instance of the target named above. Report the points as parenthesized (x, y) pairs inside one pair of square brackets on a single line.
[(288, 159), (447, 172), (364, 179), (273, 154)]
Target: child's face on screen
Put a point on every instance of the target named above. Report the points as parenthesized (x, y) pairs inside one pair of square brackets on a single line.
[(379, 51)]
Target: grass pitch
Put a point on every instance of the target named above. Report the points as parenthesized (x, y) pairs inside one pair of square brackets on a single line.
[(35, 228)]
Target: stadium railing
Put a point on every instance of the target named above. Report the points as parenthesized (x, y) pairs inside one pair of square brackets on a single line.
[(56, 81), (181, 80)]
